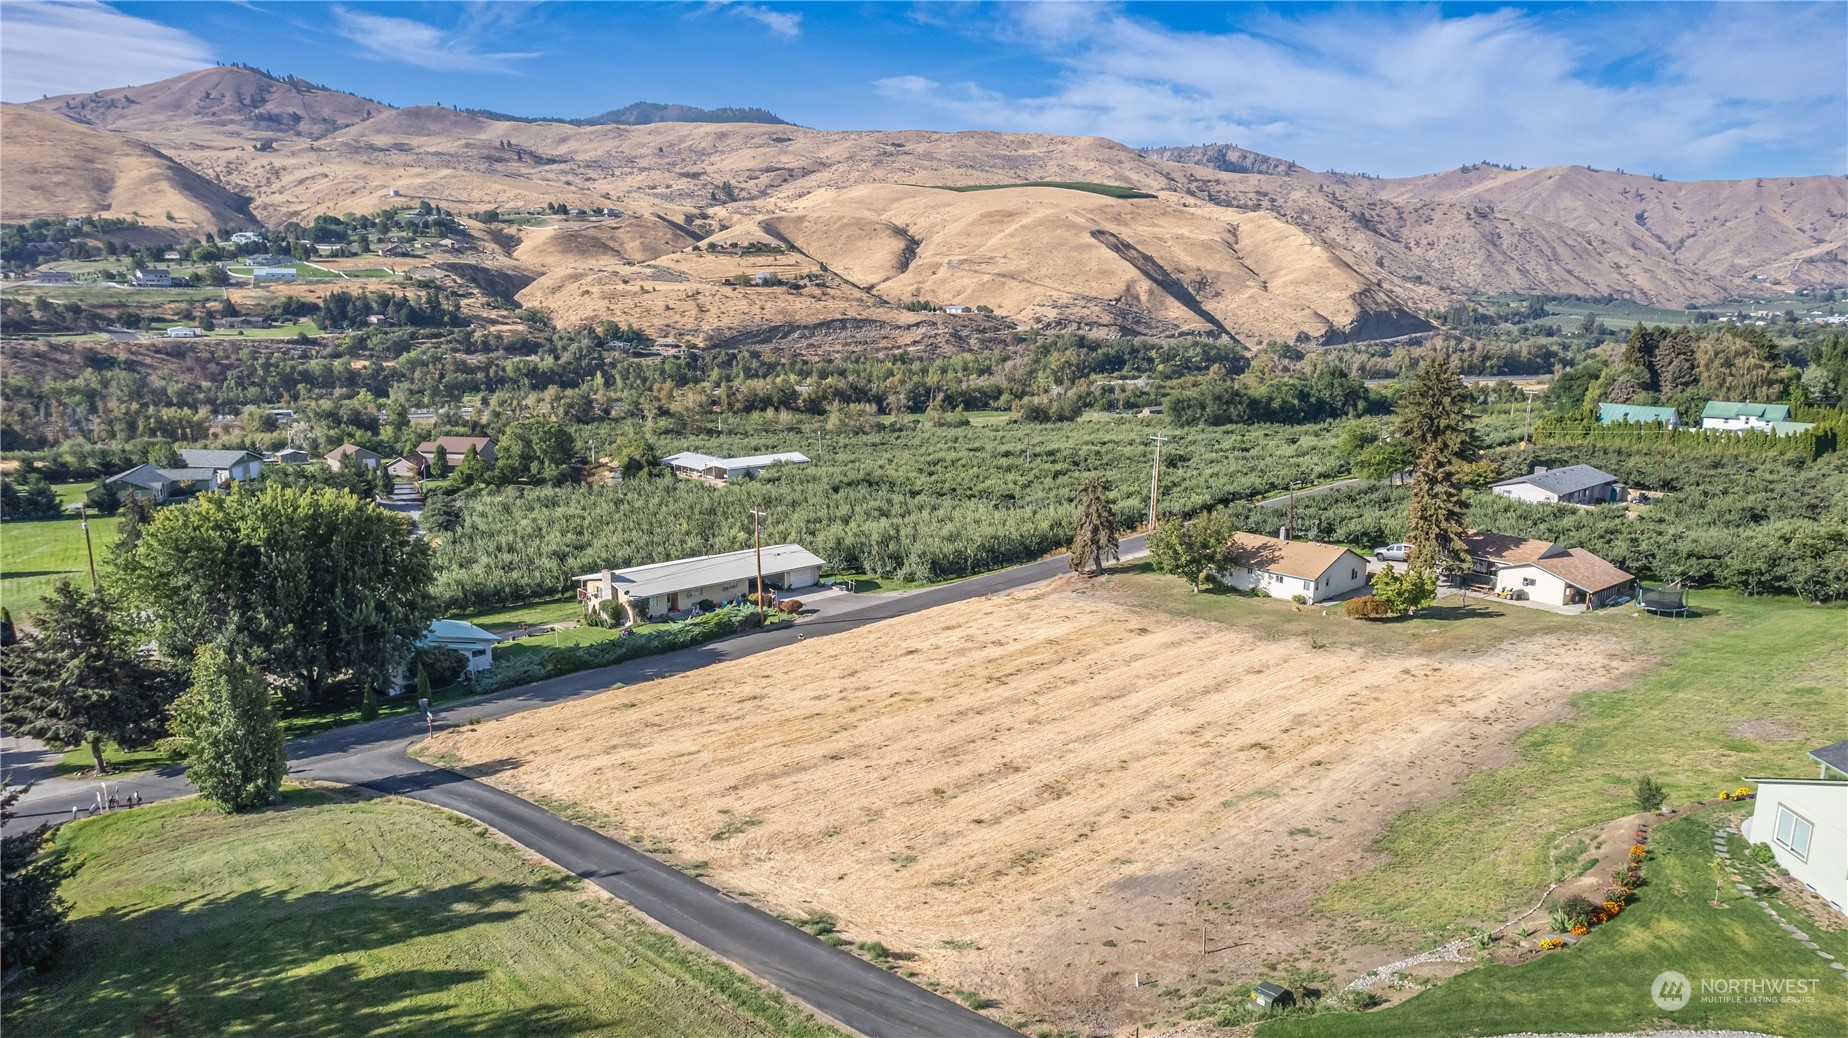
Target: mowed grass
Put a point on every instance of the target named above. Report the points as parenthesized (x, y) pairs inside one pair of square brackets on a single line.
[(34, 556), (333, 917), (1604, 984), (500, 619)]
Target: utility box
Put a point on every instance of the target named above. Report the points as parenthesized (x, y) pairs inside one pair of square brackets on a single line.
[(1267, 994)]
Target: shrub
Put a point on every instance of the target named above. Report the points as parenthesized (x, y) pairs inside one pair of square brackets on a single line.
[(1762, 854), (1350, 1001), (818, 923), (1365, 607), (1649, 794), (1300, 599), (445, 666), (792, 607), (1578, 910), (875, 950)]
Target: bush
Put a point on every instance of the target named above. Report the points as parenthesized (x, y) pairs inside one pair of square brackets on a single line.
[(1577, 910), (792, 606), (1365, 607), (445, 666), (1649, 794), (1762, 854), (875, 950)]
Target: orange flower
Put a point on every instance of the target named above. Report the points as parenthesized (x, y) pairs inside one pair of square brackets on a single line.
[(1580, 931)]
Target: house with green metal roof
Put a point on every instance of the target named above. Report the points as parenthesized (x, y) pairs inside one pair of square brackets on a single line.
[(1616, 414), (1732, 416)]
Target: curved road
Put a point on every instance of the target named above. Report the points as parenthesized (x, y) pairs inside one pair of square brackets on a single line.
[(847, 989)]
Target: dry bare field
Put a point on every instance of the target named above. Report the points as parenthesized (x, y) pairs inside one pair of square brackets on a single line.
[(1040, 795)]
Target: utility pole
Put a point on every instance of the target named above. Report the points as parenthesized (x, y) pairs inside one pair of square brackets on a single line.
[(1155, 482), (1527, 433), (1289, 529), (757, 541), (83, 515)]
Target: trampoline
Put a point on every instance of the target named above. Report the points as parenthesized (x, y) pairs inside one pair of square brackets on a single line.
[(1663, 601)]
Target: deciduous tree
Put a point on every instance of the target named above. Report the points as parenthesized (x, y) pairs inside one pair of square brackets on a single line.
[(1406, 592), (1193, 550), (229, 733)]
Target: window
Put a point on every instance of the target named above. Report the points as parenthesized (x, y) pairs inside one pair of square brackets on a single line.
[(478, 653), (1528, 582), (1353, 574), (1793, 832)]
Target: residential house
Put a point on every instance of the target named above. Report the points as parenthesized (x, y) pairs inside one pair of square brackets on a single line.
[(694, 465), (180, 331), (455, 448), (1542, 571), (268, 259), (227, 467), (55, 277), (464, 637), (1283, 568), (243, 322), (765, 278), (152, 277), (161, 484), (292, 456), (1617, 414), (1572, 485), (1730, 416), (246, 238), (955, 309), (1805, 822), (409, 468), (272, 273), (350, 454), (663, 588)]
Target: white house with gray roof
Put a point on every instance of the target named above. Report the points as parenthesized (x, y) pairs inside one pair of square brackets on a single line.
[(227, 466), (1805, 823), (694, 465), (1572, 485), (662, 588)]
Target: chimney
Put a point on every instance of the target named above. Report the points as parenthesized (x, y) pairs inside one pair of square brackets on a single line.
[(1538, 469), (1283, 534)]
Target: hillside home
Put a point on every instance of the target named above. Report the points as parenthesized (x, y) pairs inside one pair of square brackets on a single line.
[(351, 454), (955, 309), (227, 467), (272, 273), (161, 484), (1805, 822), (662, 588), (181, 331), (1284, 568), (152, 277), (1572, 485), (694, 465), (246, 238), (465, 638), (1541, 571), (292, 456), (1617, 414), (268, 259), (455, 448), (242, 321), (1729, 416), (408, 468), (55, 277)]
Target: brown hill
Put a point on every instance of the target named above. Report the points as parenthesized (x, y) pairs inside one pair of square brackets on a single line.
[(54, 167), (225, 101)]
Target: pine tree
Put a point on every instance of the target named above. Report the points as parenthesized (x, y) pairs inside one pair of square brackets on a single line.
[(229, 733), (31, 912), (1095, 542), (81, 681), (1435, 419)]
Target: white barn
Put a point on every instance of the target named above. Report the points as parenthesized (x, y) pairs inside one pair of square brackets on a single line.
[(1285, 569)]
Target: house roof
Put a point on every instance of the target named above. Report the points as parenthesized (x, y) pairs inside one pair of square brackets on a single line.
[(1583, 570), (1791, 428), (1507, 550), (660, 578), (1734, 409), (1305, 559), (209, 459), (456, 446), (416, 463), (696, 460), (457, 631), (291, 452), (1833, 756), (355, 450), (1569, 480), (1636, 413), (142, 476)]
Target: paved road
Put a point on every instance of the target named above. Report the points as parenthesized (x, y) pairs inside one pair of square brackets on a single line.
[(1284, 499), (841, 986)]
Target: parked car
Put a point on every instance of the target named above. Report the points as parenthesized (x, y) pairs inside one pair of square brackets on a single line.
[(1393, 553)]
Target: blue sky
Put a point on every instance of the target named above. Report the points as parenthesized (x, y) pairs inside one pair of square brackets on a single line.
[(1687, 90)]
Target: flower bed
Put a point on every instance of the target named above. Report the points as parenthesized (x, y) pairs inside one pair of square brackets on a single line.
[(1579, 915)]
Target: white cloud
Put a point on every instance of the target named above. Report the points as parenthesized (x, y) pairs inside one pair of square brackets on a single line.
[(1396, 90), (415, 43), (75, 47), (787, 24)]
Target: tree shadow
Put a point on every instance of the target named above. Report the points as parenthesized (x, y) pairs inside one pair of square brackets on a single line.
[(257, 962)]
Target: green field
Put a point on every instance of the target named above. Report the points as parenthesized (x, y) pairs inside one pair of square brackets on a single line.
[(34, 556), (1604, 984), (1107, 190), (504, 618), (302, 270), (111, 294), (330, 916)]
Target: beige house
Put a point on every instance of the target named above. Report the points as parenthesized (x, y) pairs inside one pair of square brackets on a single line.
[(664, 588), (1542, 571), (1805, 822), (1287, 569), (352, 454)]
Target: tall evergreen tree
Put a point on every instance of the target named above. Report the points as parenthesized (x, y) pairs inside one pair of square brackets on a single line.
[(1095, 542), (81, 681), (229, 733), (31, 912), (1436, 420)]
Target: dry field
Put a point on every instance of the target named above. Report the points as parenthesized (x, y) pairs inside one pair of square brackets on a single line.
[(1040, 795)]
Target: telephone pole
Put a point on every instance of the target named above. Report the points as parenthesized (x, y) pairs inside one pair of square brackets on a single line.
[(1527, 433), (1155, 482), (83, 516), (757, 542)]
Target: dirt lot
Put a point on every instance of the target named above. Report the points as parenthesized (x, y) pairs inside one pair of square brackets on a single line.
[(1037, 797)]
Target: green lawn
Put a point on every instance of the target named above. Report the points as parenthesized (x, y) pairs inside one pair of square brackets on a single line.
[(326, 916), (504, 618), (34, 556), (302, 270), (279, 331), (120, 761), (1604, 984)]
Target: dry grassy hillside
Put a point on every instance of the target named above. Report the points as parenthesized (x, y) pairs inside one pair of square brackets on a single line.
[(54, 167), (221, 102)]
